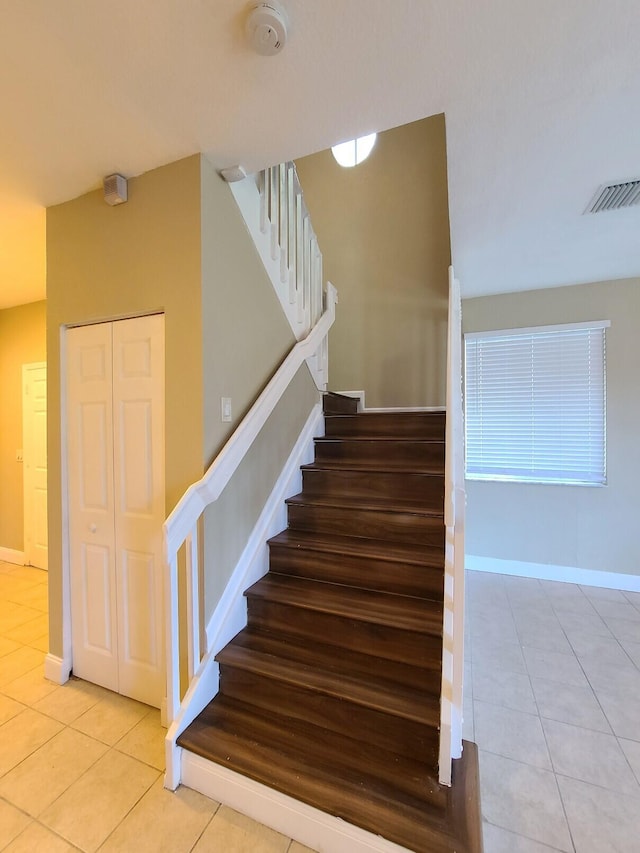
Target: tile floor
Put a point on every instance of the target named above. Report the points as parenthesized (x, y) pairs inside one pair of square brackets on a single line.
[(81, 768), (552, 698)]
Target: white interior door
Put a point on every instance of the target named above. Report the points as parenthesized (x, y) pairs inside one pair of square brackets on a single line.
[(116, 504), (34, 449)]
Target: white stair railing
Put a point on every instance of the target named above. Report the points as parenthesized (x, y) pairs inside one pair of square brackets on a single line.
[(454, 506), (181, 529), (273, 207)]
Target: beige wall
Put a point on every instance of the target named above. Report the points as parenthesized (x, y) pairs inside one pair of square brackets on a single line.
[(383, 228), (108, 262), (576, 526), (22, 341), (245, 337)]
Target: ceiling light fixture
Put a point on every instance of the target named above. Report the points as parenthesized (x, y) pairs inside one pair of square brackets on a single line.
[(354, 151)]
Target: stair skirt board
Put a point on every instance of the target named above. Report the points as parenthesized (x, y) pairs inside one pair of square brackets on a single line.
[(230, 616), (307, 825)]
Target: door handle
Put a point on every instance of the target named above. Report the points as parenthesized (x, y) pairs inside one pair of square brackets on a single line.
[(93, 528)]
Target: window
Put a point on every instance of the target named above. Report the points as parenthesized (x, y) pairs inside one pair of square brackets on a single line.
[(353, 152), (535, 404)]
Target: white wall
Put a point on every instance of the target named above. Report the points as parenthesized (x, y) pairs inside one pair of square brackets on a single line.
[(585, 527)]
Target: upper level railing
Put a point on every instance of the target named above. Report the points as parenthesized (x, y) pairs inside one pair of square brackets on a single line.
[(276, 215), (454, 506)]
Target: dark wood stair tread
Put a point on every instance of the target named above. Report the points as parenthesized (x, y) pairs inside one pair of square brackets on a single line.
[(395, 797), (380, 467), (399, 505), (319, 671), (397, 611), (397, 552)]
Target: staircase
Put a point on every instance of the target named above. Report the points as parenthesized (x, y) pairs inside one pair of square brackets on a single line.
[(331, 694)]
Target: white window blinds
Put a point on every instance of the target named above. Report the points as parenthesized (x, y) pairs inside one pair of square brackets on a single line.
[(535, 404)]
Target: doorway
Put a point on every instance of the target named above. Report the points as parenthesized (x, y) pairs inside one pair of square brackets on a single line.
[(116, 502), (34, 450)]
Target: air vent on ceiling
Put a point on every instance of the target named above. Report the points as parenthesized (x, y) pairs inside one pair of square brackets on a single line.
[(615, 196)]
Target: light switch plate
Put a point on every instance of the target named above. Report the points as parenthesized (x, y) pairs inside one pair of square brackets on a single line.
[(225, 409)]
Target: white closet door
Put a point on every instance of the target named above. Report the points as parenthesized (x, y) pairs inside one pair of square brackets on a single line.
[(116, 492), (138, 418), (91, 505)]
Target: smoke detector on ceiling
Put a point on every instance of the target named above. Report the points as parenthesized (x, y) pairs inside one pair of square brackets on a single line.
[(267, 27), (615, 196)]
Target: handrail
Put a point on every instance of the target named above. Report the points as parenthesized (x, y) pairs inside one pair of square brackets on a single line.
[(181, 526), (454, 505)]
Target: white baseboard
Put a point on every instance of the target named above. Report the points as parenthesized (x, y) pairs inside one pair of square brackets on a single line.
[(543, 571), (304, 823), (359, 396), (9, 555), (56, 669)]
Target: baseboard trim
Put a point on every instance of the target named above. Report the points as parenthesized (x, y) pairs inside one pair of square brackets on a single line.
[(406, 409), (9, 555), (56, 669), (304, 823), (543, 571)]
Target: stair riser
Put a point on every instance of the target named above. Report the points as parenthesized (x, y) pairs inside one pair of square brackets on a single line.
[(405, 737), (388, 642), (378, 424), (392, 485), (336, 404), (412, 455), (376, 524), (365, 573)]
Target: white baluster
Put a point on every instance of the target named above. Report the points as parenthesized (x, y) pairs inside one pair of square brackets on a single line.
[(291, 231), (263, 189), (172, 639), (193, 601), (299, 259), (306, 282), (282, 230), (273, 210)]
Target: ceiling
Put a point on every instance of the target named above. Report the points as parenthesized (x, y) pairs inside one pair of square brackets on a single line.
[(542, 104)]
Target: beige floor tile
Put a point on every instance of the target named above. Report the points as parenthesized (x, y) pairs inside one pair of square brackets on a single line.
[(601, 821), (67, 702), (38, 839), (163, 822), (624, 629), (111, 718), (88, 812), (524, 800), (36, 597), (296, 847), (497, 840), (567, 704), (29, 630), (631, 749), (554, 666), (510, 733), (40, 779), (41, 643), (7, 646), (22, 735), (231, 832), (509, 689), (12, 822), (30, 687), (590, 756), (9, 708), (145, 741), (498, 656), (16, 663), (28, 573), (18, 615)]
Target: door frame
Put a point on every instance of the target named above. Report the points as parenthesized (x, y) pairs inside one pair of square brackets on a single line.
[(27, 521), (58, 669)]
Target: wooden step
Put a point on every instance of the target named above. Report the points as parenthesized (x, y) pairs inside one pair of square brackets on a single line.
[(396, 567), (394, 627), (333, 403), (385, 714), (404, 521), (407, 454), (328, 771), (331, 479), (421, 425)]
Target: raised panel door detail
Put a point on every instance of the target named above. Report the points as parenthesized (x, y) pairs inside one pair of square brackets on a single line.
[(95, 455), (136, 457), (93, 363), (96, 589), (135, 358), (34, 414), (139, 618)]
